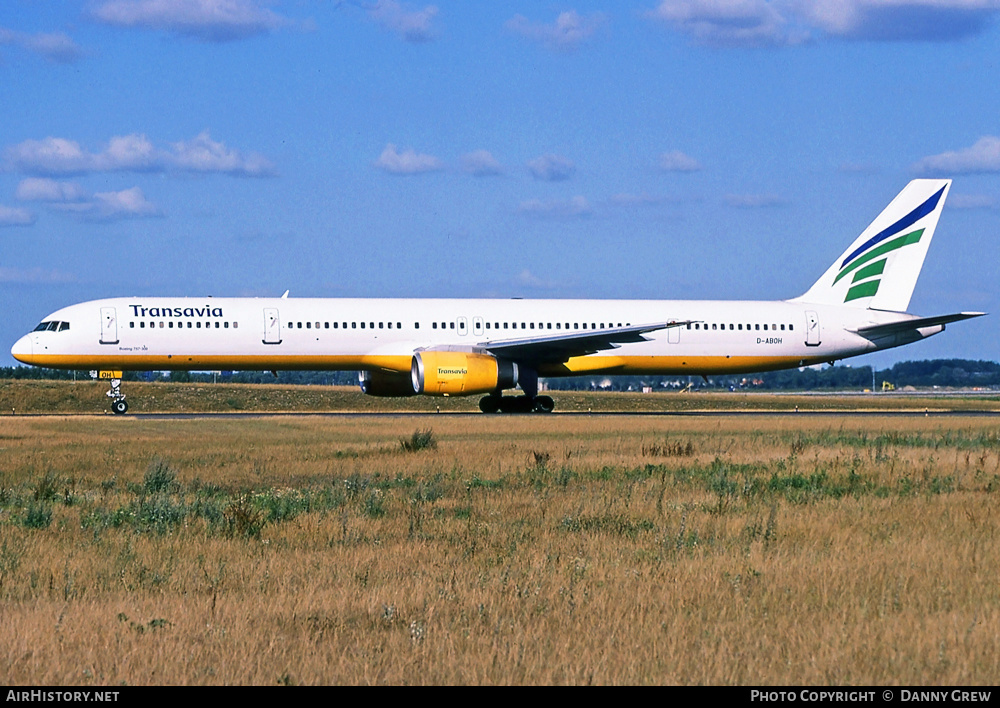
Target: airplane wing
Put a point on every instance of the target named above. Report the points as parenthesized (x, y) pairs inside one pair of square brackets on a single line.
[(561, 347), (880, 330)]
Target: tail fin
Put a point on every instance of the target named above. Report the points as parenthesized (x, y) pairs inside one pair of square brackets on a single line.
[(880, 268)]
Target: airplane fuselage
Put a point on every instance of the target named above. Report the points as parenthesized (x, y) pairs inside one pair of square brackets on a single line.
[(157, 333)]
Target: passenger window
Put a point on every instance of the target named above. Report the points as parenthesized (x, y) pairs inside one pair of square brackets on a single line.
[(757, 327), (217, 325), (765, 328), (362, 325), (790, 327), (309, 325), (451, 325), (132, 325), (380, 325), (142, 325)]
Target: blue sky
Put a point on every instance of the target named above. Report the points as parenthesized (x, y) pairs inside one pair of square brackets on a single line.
[(684, 149)]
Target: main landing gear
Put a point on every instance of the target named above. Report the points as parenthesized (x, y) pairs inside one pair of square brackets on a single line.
[(118, 404), (516, 404), (530, 402)]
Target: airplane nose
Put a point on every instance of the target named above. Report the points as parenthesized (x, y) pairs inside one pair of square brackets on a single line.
[(21, 348)]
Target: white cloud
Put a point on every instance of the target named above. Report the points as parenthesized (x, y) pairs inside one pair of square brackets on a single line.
[(133, 153), (569, 30), (895, 20), (481, 163), (626, 199), (37, 189), (34, 275), (71, 198), (677, 161), (983, 156), (552, 168), (202, 154), (208, 20), (972, 201), (529, 280), (754, 201), (411, 25), (51, 156), (557, 208), (408, 162), (726, 22), (13, 216), (755, 23), (128, 203), (54, 46)]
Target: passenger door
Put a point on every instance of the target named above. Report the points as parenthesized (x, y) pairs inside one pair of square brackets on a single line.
[(109, 326), (272, 326), (812, 329)]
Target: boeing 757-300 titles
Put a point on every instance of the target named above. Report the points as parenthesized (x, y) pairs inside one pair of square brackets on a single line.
[(462, 347)]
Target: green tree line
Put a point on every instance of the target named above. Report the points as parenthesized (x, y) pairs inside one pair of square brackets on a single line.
[(933, 372)]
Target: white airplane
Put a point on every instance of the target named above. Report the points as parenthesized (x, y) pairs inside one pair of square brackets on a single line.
[(439, 347)]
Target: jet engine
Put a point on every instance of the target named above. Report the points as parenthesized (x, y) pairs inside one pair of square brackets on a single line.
[(386, 384), (444, 373)]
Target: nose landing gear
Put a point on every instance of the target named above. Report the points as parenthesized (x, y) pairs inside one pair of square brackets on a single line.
[(118, 404)]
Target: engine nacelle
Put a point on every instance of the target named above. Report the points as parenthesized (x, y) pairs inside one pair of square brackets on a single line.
[(460, 373), (386, 384)]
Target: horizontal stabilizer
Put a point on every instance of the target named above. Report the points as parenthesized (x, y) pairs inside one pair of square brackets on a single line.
[(880, 330)]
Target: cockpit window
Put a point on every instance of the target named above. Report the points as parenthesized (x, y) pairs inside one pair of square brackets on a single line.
[(53, 326)]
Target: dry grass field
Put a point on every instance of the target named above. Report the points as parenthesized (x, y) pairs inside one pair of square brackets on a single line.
[(500, 550)]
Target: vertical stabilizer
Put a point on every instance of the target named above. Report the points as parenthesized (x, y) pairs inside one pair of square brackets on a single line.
[(880, 269)]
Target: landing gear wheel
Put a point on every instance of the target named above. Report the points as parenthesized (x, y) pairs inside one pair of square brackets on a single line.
[(490, 404), (120, 407), (544, 404)]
